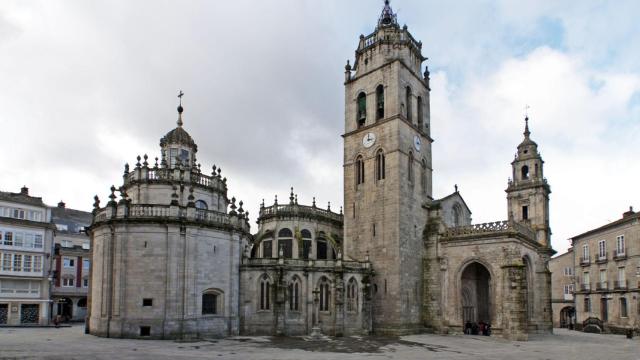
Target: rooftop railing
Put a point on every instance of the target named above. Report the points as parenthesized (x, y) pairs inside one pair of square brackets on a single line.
[(296, 210), (187, 175), (496, 227)]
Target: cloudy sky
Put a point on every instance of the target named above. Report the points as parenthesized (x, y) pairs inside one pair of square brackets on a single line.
[(88, 85)]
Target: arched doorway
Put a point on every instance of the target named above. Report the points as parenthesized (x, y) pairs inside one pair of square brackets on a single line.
[(567, 317), (65, 308), (476, 294)]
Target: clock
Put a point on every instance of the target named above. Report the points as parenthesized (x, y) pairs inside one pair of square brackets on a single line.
[(417, 143), (368, 140)]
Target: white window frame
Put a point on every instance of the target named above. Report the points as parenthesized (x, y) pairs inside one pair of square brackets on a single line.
[(621, 275), (602, 249), (86, 263), (620, 249), (68, 262), (68, 282), (585, 251)]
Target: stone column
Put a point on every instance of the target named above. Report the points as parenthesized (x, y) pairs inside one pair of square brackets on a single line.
[(431, 277)]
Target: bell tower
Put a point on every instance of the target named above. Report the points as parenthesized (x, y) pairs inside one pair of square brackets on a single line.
[(528, 190), (387, 168)]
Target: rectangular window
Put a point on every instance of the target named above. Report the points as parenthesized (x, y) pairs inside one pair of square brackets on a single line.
[(86, 245), (622, 280), (587, 305), (85, 264), (585, 252), (17, 262), (525, 212), (620, 249), (286, 247), (266, 249), (37, 242), (68, 282), (66, 243), (26, 266), (623, 307), (68, 262), (85, 282), (585, 277), (374, 229), (18, 213), (173, 154), (602, 249), (568, 271), (37, 263), (62, 227), (209, 302), (18, 239), (28, 240), (8, 238), (147, 302), (145, 330), (6, 262)]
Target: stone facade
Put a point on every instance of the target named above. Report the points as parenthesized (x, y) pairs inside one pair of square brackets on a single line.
[(562, 288), (26, 245), (166, 256), (607, 275), (397, 261)]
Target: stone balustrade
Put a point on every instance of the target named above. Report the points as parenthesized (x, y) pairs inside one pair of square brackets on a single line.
[(317, 264), (177, 174), (496, 227), (170, 212), (295, 210)]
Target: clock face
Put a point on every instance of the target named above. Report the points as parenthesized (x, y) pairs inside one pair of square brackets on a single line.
[(417, 143), (368, 140)]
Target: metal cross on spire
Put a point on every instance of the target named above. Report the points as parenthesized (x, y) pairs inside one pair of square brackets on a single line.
[(526, 121), (180, 108)]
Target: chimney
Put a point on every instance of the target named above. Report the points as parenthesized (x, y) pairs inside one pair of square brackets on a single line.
[(628, 213), (24, 190), (61, 204)]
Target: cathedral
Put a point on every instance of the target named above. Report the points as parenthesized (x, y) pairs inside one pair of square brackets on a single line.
[(174, 257)]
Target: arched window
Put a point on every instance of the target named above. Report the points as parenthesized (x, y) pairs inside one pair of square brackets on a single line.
[(267, 248), (306, 243), (285, 243), (407, 102), (410, 166), (265, 293), (211, 302), (419, 105), (201, 210), (380, 167), (294, 294), (200, 204), (362, 109), (352, 295), (423, 175), (524, 172), (379, 102), (359, 170), (324, 294), (321, 248)]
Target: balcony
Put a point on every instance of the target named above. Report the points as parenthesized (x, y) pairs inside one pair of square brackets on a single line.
[(602, 258), (585, 261), (602, 286), (619, 254), (585, 287), (620, 285)]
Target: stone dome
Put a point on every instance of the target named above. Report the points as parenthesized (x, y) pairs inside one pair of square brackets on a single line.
[(178, 136)]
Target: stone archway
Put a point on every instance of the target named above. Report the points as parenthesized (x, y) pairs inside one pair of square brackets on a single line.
[(567, 317), (475, 293)]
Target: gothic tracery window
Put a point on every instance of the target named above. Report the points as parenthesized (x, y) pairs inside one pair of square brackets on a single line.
[(420, 113), (410, 167), (294, 294), (352, 295), (324, 294), (423, 176), (265, 292), (408, 103)]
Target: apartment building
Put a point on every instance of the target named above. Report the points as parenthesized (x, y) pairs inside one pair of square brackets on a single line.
[(26, 244), (562, 288)]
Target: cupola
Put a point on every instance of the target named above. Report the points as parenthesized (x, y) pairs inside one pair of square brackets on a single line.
[(177, 145)]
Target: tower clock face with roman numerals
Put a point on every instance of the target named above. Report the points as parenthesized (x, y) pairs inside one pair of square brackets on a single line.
[(368, 140)]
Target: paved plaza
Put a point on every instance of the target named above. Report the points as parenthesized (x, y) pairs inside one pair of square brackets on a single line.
[(72, 343)]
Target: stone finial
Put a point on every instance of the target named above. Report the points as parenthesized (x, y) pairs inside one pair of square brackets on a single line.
[(233, 207), (296, 200), (329, 206), (313, 204), (199, 168), (340, 210), (112, 197), (455, 187), (275, 202), (240, 209), (145, 163), (224, 180), (262, 204), (126, 169), (291, 197), (219, 172), (123, 195), (155, 166), (163, 161), (348, 66), (213, 173), (96, 202), (138, 162)]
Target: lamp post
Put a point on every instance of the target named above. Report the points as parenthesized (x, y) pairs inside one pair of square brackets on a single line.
[(316, 333)]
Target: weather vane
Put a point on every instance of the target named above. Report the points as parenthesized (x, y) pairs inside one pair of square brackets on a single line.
[(180, 94)]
